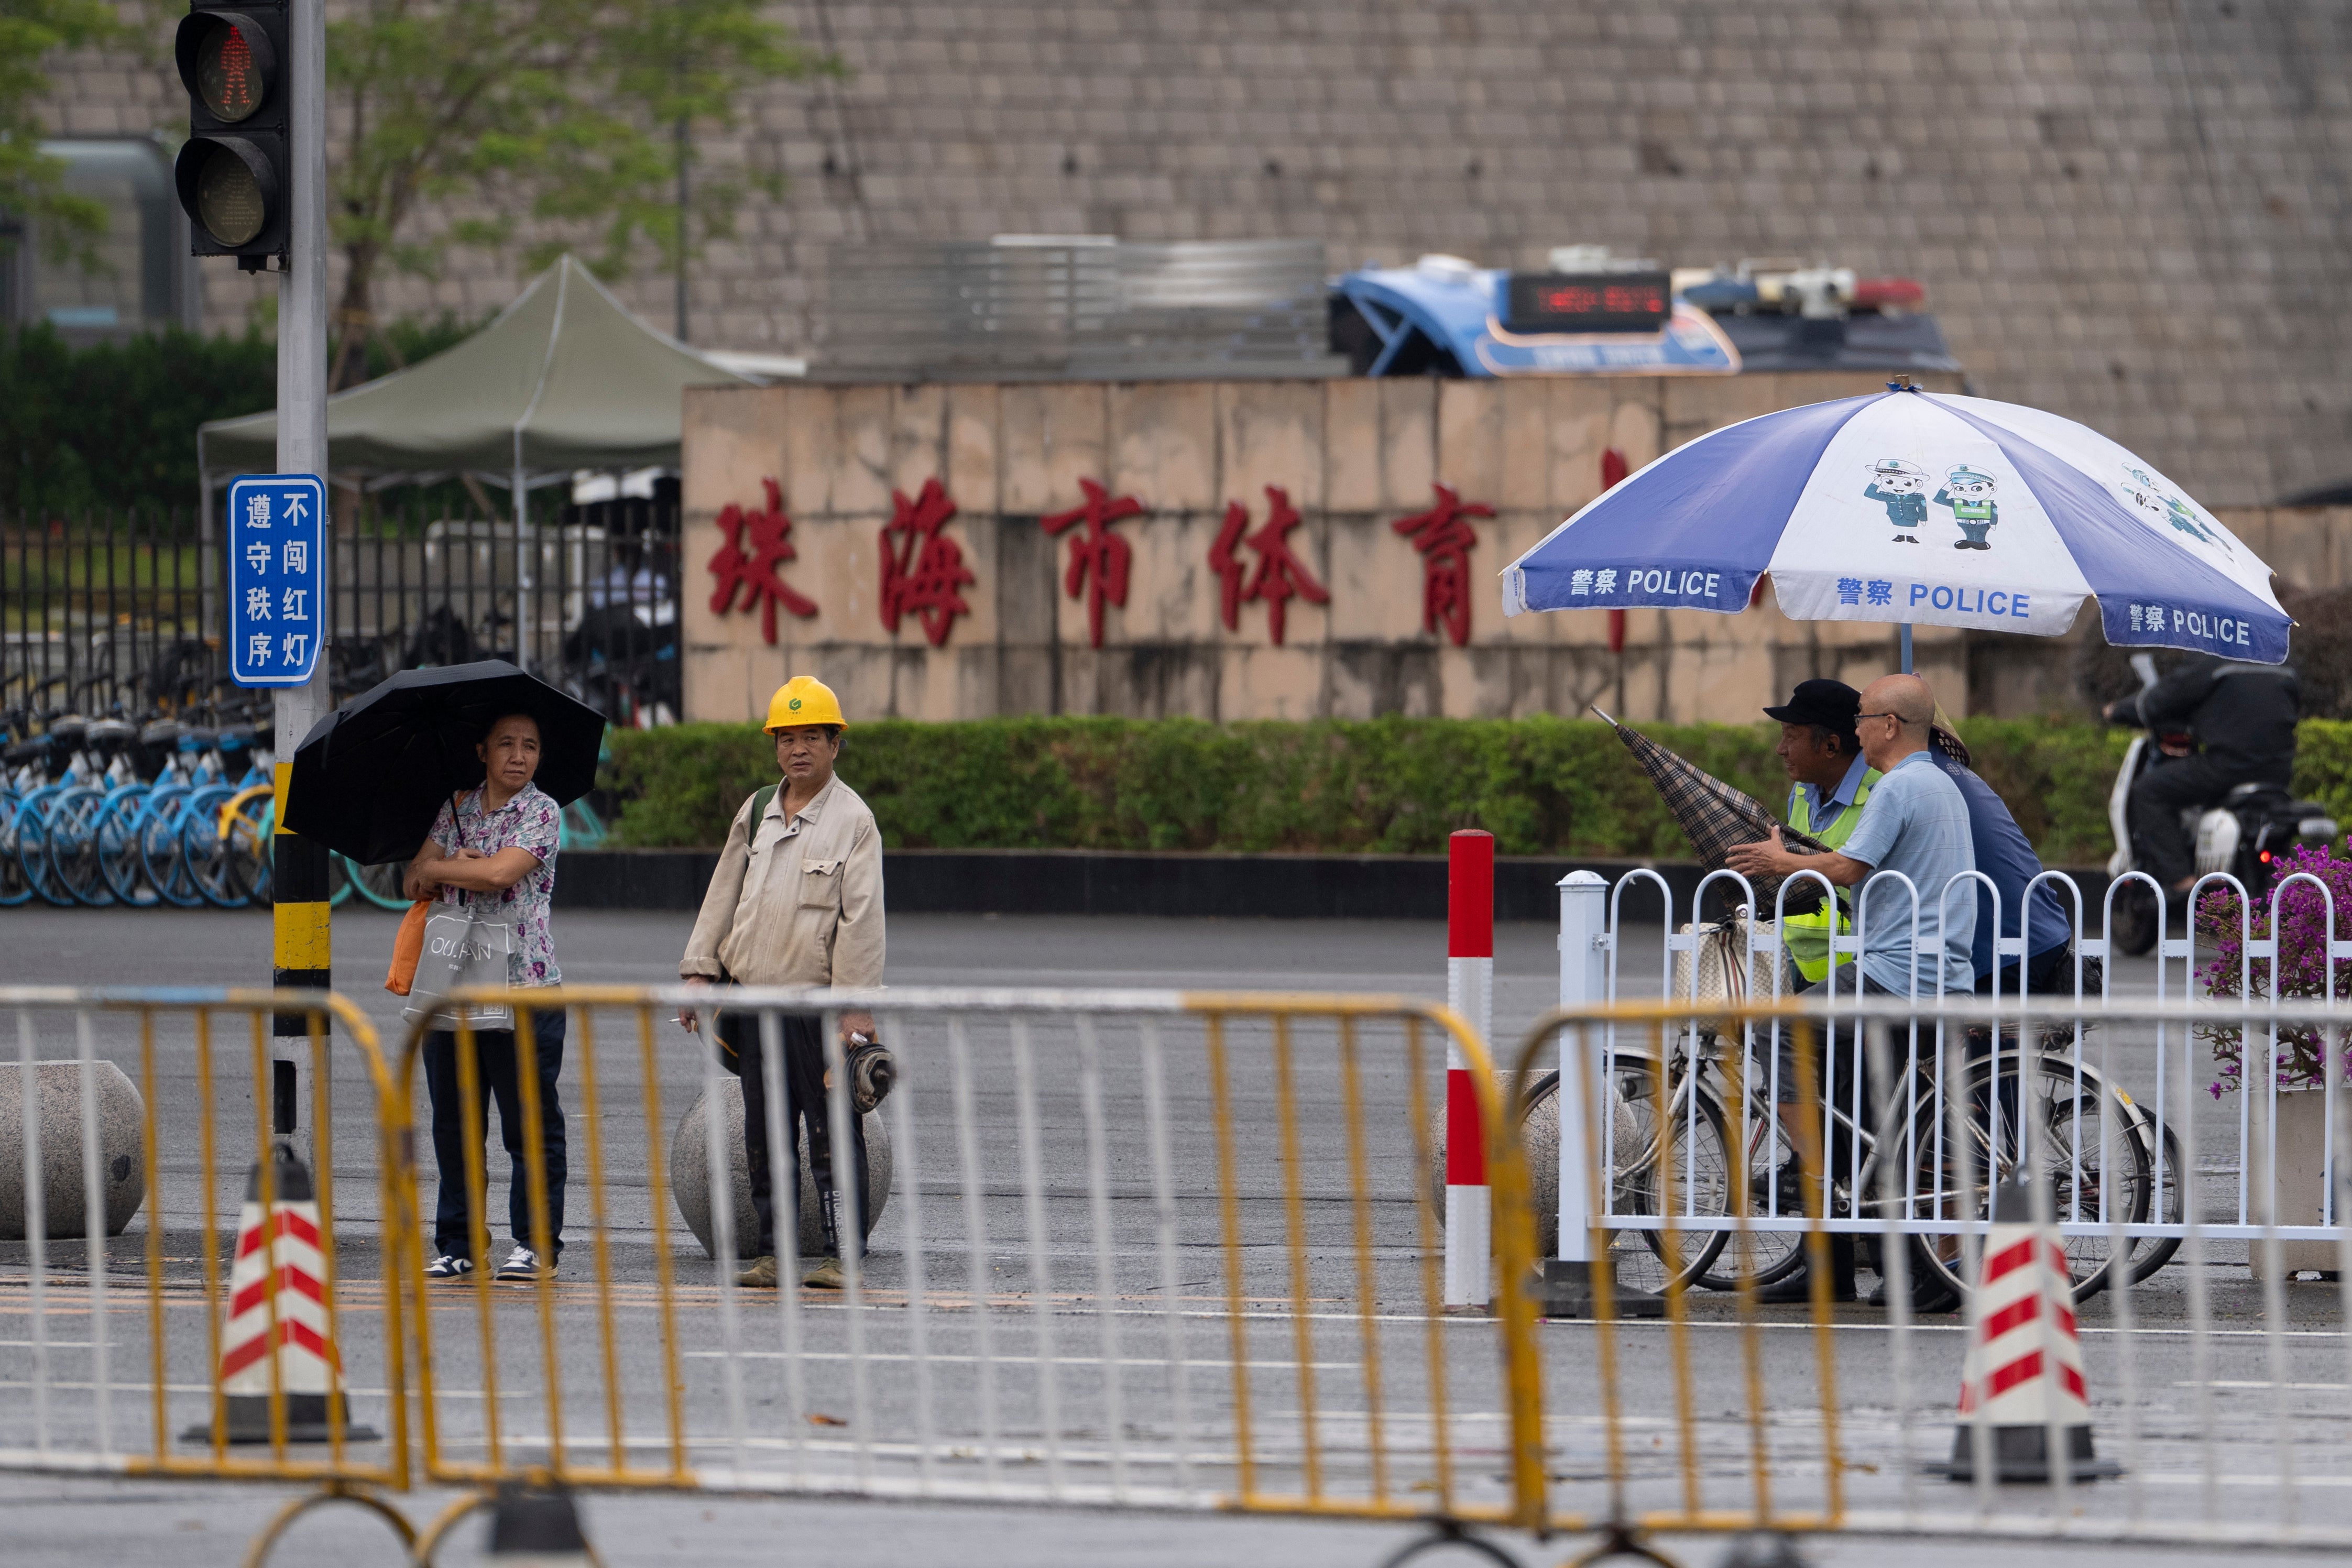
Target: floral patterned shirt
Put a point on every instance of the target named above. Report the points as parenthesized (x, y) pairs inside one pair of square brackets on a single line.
[(532, 821)]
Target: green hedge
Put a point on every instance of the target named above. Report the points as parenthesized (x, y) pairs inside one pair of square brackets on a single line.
[(1541, 785)]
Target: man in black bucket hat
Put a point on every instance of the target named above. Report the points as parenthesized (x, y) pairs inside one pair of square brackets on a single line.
[(1829, 783)]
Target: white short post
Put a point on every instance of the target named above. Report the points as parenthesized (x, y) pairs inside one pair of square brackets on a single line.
[(1567, 1289), (1584, 983), (1470, 992)]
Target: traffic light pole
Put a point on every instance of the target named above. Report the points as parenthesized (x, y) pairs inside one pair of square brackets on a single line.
[(302, 947)]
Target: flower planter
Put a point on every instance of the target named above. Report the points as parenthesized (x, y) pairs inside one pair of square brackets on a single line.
[(2300, 1186)]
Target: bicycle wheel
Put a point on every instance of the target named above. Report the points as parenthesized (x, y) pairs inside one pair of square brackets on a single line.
[(163, 858), (580, 827), (380, 884), (2152, 1253), (118, 850), (205, 851), (33, 850), (2066, 1112), (339, 878), (16, 887), (73, 847), (1647, 1258), (251, 822), (1766, 1257)]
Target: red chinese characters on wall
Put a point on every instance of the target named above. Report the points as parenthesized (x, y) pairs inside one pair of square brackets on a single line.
[(1446, 541), (1098, 557), (921, 569), (1277, 576), (757, 544)]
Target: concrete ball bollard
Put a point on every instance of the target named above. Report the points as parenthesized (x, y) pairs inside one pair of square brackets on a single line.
[(121, 1168), (689, 1176), (1539, 1138)]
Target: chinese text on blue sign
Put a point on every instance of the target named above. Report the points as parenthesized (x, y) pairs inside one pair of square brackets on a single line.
[(277, 578)]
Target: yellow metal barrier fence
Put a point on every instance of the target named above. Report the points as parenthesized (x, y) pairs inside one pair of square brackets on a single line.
[(1150, 1248), (1132, 1249), (278, 1362), (1735, 1149)]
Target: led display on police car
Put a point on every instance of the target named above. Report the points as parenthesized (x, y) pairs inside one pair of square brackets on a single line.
[(1588, 301)]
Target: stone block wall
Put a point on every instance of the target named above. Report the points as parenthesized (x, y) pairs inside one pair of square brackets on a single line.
[(2130, 211), (1353, 457)]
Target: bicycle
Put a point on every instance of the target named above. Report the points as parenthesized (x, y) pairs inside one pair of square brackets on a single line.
[(51, 764), (2069, 1101), (123, 824), (74, 814), (247, 831), (204, 849)]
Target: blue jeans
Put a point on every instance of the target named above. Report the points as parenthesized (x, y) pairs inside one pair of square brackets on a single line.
[(496, 1077)]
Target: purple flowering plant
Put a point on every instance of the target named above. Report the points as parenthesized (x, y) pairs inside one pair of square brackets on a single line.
[(2302, 966)]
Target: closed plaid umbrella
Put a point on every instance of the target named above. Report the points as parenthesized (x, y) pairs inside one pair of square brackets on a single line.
[(1717, 816)]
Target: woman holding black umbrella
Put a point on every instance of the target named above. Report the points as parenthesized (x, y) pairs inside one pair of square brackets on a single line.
[(494, 849), (477, 762)]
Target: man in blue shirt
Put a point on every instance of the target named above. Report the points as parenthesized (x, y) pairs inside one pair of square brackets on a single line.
[(1916, 824), (2004, 855)]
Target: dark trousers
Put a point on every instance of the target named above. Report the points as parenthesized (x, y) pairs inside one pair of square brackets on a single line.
[(496, 1076), (2160, 844), (804, 1112), (1839, 1064), (2047, 973)]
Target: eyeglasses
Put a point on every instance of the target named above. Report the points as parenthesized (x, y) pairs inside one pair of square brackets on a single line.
[(1895, 716)]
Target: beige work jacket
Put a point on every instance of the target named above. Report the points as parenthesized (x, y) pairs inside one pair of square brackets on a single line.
[(795, 903)]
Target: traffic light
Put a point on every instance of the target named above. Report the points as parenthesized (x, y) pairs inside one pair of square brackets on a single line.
[(233, 174)]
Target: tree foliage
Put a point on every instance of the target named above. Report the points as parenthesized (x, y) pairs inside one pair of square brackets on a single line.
[(111, 427), (538, 122), (32, 185)]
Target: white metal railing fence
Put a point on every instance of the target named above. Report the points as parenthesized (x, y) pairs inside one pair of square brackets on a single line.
[(2155, 1067)]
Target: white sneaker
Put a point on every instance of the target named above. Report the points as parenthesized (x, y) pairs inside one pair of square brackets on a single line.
[(522, 1264), (448, 1266)]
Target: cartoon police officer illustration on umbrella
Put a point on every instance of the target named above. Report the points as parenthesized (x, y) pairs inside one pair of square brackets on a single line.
[(1897, 484), (1969, 496)]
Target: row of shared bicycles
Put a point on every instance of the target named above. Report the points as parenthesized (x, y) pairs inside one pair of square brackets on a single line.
[(160, 811)]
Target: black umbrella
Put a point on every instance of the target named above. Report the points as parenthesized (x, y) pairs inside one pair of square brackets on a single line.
[(370, 776)]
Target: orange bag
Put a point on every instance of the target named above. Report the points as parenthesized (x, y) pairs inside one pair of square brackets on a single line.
[(407, 947)]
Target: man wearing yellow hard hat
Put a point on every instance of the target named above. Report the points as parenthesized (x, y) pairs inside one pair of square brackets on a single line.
[(796, 900)]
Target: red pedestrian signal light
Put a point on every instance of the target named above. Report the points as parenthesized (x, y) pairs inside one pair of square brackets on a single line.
[(231, 78), (232, 174)]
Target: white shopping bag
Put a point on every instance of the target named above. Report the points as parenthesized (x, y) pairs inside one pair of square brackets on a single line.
[(462, 950)]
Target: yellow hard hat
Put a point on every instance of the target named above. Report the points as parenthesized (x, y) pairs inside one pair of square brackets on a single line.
[(803, 699)]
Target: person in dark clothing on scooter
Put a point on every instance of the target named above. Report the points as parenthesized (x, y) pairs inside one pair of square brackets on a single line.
[(2243, 717)]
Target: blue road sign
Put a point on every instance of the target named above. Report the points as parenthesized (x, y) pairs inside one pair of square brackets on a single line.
[(277, 578)]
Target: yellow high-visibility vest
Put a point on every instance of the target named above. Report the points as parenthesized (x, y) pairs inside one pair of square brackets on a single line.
[(1807, 937)]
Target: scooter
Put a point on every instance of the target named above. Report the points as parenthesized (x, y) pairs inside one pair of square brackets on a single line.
[(2246, 833)]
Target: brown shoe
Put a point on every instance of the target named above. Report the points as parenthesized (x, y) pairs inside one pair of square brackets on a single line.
[(761, 1274), (825, 1276)]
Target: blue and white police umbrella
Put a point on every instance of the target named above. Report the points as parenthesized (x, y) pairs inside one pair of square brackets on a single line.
[(1912, 507)]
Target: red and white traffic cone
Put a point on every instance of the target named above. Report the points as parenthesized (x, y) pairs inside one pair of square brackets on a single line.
[(278, 1296), (1470, 992), (2023, 1379)]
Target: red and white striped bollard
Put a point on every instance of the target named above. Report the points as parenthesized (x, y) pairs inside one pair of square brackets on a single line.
[(1470, 992)]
